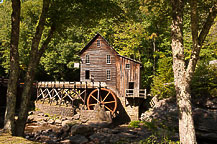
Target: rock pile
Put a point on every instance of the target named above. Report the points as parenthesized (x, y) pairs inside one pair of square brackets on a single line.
[(166, 111), (47, 129)]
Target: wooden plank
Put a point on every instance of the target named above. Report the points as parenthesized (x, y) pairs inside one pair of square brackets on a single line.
[(76, 85)]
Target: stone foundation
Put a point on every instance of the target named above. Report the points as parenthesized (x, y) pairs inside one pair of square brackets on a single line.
[(55, 110), (128, 110), (131, 106), (92, 115)]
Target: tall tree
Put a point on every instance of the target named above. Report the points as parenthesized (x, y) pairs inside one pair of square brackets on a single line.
[(14, 68), (55, 17), (183, 73), (35, 55)]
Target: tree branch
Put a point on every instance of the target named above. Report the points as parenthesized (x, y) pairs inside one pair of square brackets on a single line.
[(198, 41), (209, 22), (39, 29), (46, 42)]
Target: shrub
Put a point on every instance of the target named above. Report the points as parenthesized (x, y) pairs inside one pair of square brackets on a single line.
[(163, 85), (134, 124), (204, 82)]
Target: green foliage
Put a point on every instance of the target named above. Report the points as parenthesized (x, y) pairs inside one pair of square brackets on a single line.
[(150, 125), (5, 26), (134, 124), (161, 134), (137, 29), (152, 139), (163, 85), (204, 81)]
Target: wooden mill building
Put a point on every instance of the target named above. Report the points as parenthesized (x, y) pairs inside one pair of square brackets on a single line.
[(101, 63), (107, 79)]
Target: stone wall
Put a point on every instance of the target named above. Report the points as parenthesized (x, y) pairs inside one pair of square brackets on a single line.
[(55, 110), (128, 110), (131, 107)]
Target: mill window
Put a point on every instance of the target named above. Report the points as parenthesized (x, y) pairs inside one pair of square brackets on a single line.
[(98, 43), (108, 74), (108, 59), (127, 66), (87, 60)]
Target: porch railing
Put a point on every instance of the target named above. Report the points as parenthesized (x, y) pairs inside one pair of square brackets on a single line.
[(136, 93)]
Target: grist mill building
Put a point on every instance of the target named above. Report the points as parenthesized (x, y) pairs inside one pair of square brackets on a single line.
[(107, 79), (101, 63)]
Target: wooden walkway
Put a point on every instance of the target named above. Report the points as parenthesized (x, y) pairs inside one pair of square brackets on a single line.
[(65, 92)]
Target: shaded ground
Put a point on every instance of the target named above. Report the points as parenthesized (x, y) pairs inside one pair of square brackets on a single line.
[(44, 128), (8, 139)]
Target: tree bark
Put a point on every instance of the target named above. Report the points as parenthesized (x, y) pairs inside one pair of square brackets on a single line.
[(183, 75), (14, 68), (30, 74), (198, 41), (186, 124)]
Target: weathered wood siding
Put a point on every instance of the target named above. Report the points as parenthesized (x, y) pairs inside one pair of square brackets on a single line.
[(124, 75), (98, 65)]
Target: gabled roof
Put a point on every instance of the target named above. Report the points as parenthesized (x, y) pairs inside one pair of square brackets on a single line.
[(95, 37)]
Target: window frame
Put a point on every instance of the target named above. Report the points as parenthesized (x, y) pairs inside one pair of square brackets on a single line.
[(86, 74), (98, 43), (108, 60), (131, 85), (108, 74), (127, 66), (87, 59)]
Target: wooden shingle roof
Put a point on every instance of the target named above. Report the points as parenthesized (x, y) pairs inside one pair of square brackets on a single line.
[(95, 37)]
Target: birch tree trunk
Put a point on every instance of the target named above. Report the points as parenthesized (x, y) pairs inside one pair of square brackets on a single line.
[(183, 75), (14, 68), (186, 124)]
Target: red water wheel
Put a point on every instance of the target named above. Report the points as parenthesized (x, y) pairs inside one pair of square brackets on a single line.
[(103, 97)]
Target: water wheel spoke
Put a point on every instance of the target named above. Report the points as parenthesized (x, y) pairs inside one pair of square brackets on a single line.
[(92, 104), (108, 108), (106, 96), (109, 102), (103, 96), (94, 98)]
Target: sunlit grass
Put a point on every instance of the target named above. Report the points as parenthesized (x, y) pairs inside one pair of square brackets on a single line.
[(8, 139)]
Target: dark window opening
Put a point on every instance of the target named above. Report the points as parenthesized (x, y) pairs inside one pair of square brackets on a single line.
[(131, 85), (98, 43), (87, 74), (127, 66)]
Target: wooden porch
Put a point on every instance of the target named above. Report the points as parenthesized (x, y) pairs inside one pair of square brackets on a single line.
[(136, 93)]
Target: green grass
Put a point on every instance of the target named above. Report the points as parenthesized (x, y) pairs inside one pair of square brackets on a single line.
[(8, 139)]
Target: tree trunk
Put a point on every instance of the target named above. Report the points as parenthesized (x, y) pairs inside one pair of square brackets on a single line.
[(14, 68), (30, 74), (26, 95), (186, 124)]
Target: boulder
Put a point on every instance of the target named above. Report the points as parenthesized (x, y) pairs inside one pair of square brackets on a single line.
[(101, 114), (205, 122), (67, 141), (58, 121), (76, 116), (101, 137), (84, 130), (78, 139), (166, 111), (66, 122), (51, 121), (97, 115)]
